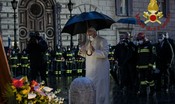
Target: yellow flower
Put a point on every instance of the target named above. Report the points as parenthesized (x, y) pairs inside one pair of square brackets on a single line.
[(25, 86), (42, 98), (24, 92), (18, 97), (13, 87), (29, 88)]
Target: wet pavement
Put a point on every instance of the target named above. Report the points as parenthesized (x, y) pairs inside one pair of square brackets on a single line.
[(131, 97), (116, 95)]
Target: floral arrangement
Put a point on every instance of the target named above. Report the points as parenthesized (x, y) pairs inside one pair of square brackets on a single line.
[(26, 92)]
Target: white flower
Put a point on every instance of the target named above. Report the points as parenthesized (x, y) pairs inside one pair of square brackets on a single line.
[(31, 95), (47, 89), (42, 83), (57, 91), (56, 99), (50, 97)]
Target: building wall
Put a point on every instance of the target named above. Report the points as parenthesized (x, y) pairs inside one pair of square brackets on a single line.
[(139, 6), (105, 6), (6, 20)]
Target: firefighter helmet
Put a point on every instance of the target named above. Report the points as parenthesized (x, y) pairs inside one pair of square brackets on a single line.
[(141, 36)]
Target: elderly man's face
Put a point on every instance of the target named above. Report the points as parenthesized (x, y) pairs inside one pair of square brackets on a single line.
[(90, 33)]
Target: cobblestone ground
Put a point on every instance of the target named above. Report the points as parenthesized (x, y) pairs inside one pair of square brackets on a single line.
[(116, 95)]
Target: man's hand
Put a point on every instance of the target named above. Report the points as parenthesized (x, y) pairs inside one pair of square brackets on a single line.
[(92, 48), (82, 49)]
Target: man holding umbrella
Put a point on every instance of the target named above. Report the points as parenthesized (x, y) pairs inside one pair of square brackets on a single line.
[(96, 51)]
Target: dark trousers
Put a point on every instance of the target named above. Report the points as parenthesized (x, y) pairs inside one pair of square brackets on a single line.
[(172, 77), (164, 77), (146, 79), (38, 68), (127, 73)]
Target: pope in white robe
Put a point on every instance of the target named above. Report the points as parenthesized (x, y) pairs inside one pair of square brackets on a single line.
[(97, 64)]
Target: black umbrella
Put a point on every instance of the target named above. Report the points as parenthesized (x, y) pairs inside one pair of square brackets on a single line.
[(80, 23)]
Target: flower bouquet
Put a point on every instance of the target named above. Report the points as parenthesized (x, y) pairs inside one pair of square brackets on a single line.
[(26, 92)]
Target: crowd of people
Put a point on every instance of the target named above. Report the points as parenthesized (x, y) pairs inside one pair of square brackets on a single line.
[(143, 64), (140, 63)]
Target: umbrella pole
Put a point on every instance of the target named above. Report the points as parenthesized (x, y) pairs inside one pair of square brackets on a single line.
[(71, 41)]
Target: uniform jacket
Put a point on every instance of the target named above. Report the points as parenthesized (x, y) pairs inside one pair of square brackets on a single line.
[(145, 55)]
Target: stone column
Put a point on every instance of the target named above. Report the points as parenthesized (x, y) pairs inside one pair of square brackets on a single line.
[(82, 91)]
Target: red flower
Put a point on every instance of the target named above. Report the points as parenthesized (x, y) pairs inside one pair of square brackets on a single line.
[(33, 84), (17, 83)]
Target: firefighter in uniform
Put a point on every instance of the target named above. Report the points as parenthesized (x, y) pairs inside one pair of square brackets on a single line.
[(111, 57), (49, 60), (14, 63), (113, 65), (24, 63), (79, 63), (145, 65), (69, 61), (59, 62)]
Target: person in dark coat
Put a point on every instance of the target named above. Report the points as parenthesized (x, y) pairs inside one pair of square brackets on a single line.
[(165, 56), (36, 49), (124, 55), (172, 69)]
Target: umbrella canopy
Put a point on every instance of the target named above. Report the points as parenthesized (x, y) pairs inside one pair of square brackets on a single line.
[(130, 20), (80, 23)]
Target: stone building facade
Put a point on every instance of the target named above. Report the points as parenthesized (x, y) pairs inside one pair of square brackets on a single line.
[(54, 14)]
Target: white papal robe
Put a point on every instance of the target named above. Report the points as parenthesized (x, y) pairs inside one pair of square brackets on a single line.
[(97, 68)]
